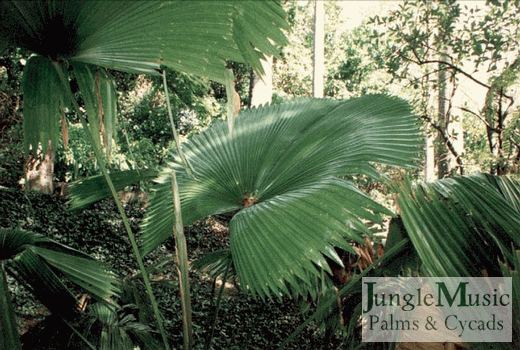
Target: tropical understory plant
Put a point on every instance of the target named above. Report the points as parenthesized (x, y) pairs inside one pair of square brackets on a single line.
[(455, 227), (82, 39), (281, 173), (40, 264)]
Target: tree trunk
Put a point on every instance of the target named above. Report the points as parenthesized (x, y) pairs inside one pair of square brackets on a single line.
[(318, 62), (429, 155), (261, 91), (450, 146), (40, 172), (495, 111), (442, 150)]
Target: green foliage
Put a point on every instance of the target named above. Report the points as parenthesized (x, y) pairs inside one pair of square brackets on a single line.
[(424, 38), (292, 71), (10, 338), (10, 79), (43, 103), (11, 157), (478, 207), (119, 329), (38, 262), (258, 171), (102, 35)]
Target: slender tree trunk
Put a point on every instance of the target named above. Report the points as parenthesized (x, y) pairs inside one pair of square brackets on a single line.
[(40, 172), (261, 90), (495, 111), (456, 136), (318, 62), (442, 151), (429, 155)]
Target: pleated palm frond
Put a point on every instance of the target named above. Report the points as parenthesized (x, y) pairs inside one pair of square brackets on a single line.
[(95, 188), (279, 171), (119, 330), (99, 95), (195, 37), (462, 226), (466, 227), (43, 102), (41, 263), (139, 36), (9, 338)]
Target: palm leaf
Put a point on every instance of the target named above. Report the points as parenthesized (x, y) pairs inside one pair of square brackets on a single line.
[(119, 330), (215, 264), (45, 284), (9, 338), (41, 262), (88, 191), (194, 37), (13, 242), (137, 37), (279, 169), (354, 286), (464, 227), (91, 275), (98, 93), (446, 218), (43, 101)]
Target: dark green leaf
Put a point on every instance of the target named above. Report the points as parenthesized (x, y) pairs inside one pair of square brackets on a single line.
[(279, 170), (9, 338), (88, 191), (139, 36)]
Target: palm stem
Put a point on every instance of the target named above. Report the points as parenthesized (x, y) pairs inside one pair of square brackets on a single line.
[(119, 205), (181, 253), (181, 249), (187, 165), (217, 306)]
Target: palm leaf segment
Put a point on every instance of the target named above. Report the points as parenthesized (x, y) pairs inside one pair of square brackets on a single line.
[(194, 37), (462, 226), (279, 169), (40, 262)]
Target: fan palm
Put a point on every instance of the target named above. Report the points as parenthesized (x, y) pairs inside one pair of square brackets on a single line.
[(88, 37), (38, 262), (279, 172), (456, 227)]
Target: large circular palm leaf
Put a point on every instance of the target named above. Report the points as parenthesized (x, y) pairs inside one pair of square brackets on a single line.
[(279, 170), (87, 37), (139, 36)]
